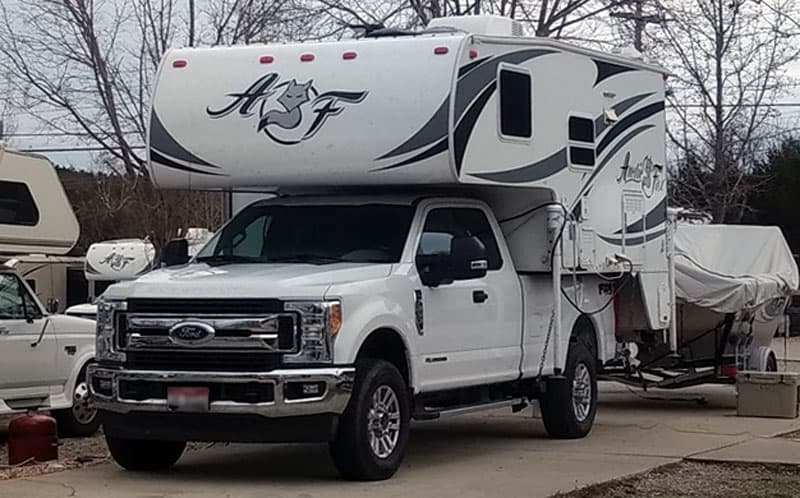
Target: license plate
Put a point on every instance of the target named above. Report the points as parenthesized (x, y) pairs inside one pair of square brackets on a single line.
[(187, 399)]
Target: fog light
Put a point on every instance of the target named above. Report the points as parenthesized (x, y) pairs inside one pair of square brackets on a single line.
[(101, 386), (303, 390)]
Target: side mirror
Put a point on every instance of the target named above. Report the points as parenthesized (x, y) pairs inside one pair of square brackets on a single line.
[(468, 258), (52, 305), (434, 269), (176, 252)]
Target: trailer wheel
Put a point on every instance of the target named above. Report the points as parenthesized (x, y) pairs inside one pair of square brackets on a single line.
[(145, 455), (570, 402), (373, 431)]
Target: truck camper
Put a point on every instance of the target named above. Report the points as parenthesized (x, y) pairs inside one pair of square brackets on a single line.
[(459, 220)]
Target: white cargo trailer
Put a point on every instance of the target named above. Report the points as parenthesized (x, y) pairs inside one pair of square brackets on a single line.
[(461, 217)]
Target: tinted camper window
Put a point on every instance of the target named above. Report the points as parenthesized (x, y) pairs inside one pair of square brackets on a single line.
[(581, 138), (16, 204), (515, 104)]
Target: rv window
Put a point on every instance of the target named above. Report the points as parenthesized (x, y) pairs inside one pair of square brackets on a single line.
[(515, 104), (443, 225), (581, 129), (16, 204), (581, 156)]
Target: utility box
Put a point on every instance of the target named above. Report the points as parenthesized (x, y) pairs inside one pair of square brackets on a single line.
[(767, 394)]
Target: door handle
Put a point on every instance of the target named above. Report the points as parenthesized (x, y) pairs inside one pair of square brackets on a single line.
[(479, 296)]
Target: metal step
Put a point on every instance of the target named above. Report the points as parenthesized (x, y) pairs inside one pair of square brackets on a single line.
[(463, 410)]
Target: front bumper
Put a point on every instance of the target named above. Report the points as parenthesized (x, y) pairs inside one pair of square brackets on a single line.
[(105, 385)]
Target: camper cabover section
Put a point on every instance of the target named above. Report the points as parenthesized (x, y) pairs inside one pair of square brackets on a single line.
[(35, 214)]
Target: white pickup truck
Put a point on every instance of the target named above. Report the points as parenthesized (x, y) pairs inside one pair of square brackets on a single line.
[(464, 219), (43, 359)]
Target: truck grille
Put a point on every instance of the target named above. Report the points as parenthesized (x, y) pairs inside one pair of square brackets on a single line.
[(193, 361)]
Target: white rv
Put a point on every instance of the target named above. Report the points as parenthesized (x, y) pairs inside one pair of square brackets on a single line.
[(464, 219), (43, 356)]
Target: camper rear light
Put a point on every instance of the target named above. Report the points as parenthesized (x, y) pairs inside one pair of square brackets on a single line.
[(307, 57), (266, 59), (179, 63), (729, 370), (348, 56), (440, 50), (473, 53)]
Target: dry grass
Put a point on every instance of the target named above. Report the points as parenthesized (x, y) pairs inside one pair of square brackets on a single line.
[(706, 480)]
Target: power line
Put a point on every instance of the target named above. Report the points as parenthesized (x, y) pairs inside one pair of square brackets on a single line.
[(44, 150)]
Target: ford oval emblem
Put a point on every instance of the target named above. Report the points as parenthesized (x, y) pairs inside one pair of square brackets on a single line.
[(191, 333)]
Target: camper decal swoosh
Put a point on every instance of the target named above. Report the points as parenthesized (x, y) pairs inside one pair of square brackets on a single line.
[(169, 163), (465, 126), (294, 116), (532, 172), (627, 122), (162, 141), (606, 70), (600, 124), (473, 78), (437, 148), (634, 241)]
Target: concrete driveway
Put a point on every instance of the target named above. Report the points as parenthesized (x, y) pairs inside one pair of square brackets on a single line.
[(492, 454)]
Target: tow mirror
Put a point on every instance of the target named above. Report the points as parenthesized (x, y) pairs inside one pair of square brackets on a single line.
[(176, 252), (434, 269), (52, 306), (468, 258)]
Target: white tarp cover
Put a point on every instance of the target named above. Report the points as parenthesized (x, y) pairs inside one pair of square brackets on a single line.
[(727, 268)]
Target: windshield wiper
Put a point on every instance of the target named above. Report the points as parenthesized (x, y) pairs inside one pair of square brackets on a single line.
[(314, 259), (217, 259)]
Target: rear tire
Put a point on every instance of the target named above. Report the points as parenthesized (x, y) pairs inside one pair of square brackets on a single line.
[(570, 403), (373, 431), (145, 455)]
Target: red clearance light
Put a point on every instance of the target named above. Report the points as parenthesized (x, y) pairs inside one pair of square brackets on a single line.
[(348, 56), (179, 63), (440, 50), (473, 53), (266, 59), (307, 57), (729, 370)]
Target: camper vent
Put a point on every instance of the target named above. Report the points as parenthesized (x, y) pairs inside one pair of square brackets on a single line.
[(480, 25)]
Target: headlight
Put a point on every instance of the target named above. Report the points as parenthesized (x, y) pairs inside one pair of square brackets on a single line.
[(105, 350), (319, 322)]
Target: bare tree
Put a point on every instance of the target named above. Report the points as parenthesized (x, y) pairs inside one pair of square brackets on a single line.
[(729, 60)]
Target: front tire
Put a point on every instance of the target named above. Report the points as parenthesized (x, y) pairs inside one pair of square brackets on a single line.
[(373, 431), (81, 419), (570, 403), (145, 455)]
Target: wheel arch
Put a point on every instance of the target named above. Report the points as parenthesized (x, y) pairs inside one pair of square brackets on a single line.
[(387, 343)]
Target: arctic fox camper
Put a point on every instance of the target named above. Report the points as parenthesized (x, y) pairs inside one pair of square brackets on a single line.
[(461, 217)]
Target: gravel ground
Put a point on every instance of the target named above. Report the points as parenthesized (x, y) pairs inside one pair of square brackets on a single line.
[(73, 453), (706, 480)]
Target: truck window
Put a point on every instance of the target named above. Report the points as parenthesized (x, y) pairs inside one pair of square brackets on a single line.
[(444, 224), (316, 234), (515, 103), (16, 204), (14, 299)]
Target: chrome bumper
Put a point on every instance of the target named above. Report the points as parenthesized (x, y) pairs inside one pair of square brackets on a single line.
[(338, 386)]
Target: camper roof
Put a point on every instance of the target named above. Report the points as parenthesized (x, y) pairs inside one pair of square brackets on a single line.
[(35, 214)]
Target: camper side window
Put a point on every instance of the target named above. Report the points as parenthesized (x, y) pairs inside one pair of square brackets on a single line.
[(581, 142), (17, 206), (515, 103)]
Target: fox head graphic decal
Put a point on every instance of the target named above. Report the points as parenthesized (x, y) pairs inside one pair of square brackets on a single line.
[(297, 113)]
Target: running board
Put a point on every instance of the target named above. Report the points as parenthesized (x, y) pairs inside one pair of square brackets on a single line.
[(465, 409)]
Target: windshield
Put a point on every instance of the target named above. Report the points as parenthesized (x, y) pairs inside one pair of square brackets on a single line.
[(316, 234)]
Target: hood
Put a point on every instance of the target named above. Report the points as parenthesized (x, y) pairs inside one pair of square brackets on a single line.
[(200, 280), (65, 324)]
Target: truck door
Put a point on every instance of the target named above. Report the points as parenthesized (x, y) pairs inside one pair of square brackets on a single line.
[(471, 328), (27, 371)]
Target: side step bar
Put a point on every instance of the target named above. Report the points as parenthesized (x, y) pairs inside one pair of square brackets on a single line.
[(516, 403)]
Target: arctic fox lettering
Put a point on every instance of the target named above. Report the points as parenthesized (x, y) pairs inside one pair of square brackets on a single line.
[(275, 123)]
